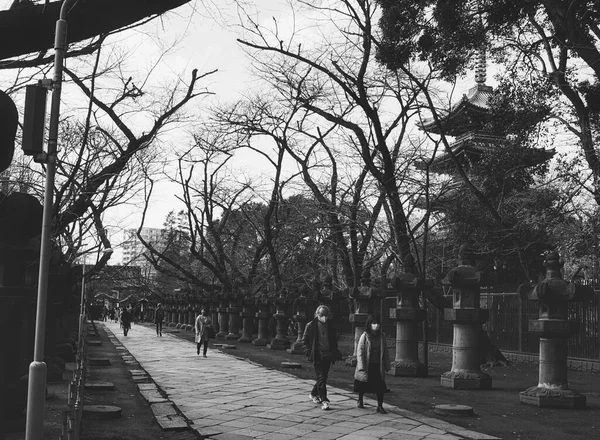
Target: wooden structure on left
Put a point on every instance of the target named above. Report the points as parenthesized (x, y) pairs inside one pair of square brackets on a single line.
[(31, 28)]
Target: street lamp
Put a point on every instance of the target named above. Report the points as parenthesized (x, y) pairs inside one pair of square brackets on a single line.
[(36, 391)]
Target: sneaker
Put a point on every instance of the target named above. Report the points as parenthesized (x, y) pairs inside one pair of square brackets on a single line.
[(315, 399), (380, 410), (325, 406)]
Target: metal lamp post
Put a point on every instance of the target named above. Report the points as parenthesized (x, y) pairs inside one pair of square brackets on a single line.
[(36, 392)]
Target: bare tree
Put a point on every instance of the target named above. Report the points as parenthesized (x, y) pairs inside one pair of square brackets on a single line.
[(336, 82)]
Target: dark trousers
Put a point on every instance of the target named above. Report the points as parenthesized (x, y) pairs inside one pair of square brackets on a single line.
[(159, 327), (205, 343), (322, 371)]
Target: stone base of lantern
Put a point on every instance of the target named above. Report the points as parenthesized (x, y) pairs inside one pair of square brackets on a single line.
[(466, 381), (552, 398), (409, 369), (233, 337), (245, 339), (260, 342), (350, 361), (279, 344), (296, 348)]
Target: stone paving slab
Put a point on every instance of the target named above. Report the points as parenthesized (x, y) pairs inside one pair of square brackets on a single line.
[(163, 409), (172, 423), (153, 396), (225, 397)]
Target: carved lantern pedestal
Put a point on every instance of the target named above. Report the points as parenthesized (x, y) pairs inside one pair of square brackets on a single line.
[(247, 315), (262, 315), (235, 319), (300, 317), (467, 318), (553, 294), (408, 317), (280, 341), (223, 319)]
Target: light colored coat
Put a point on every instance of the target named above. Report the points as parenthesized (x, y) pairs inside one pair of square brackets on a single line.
[(200, 327), (363, 357)]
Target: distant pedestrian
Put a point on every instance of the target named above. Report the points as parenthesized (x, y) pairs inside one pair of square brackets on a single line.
[(159, 317), (111, 313), (372, 362), (202, 327), (320, 347), (126, 318)]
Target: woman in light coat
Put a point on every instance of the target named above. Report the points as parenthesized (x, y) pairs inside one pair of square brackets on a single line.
[(203, 322), (372, 362)]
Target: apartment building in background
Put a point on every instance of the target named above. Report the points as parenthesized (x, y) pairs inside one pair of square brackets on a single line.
[(133, 249)]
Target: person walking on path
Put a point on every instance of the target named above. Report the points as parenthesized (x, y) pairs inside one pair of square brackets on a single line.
[(202, 327), (372, 362), (320, 347), (126, 318), (159, 317)]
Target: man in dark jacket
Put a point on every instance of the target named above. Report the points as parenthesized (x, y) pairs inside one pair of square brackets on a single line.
[(320, 347), (159, 317), (126, 318)]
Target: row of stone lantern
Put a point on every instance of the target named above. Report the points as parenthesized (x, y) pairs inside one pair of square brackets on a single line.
[(553, 293)]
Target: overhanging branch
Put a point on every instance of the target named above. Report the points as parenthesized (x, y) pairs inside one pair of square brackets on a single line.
[(30, 29)]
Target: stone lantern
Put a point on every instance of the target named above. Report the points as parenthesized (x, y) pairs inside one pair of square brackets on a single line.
[(247, 315), (280, 341), (300, 306), (223, 316), (262, 315), (408, 316), (332, 298), (234, 311), (467, 317), (363, 299), (553, 295)]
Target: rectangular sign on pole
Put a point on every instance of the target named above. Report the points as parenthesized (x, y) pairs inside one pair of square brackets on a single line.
[(34, 121)]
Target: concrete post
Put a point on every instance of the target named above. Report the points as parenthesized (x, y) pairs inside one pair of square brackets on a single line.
[(467, 317), (553, 295)]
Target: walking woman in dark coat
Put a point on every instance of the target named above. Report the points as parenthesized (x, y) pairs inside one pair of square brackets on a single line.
[(372, 362)]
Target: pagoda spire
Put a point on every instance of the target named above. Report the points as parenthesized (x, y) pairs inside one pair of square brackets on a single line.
[(481, 67)]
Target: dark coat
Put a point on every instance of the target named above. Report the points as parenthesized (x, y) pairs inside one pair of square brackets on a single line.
[(126, 316), (311, 344)]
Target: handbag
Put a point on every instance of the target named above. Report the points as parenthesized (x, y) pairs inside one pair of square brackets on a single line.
[(210, 331)]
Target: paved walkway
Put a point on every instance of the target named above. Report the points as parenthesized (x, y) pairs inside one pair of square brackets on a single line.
[(224, 397)]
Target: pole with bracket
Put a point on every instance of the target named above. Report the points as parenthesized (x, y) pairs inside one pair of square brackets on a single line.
[(36, 391)]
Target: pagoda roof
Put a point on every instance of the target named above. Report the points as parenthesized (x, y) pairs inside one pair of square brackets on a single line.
[(471, 146), (470, 113)]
